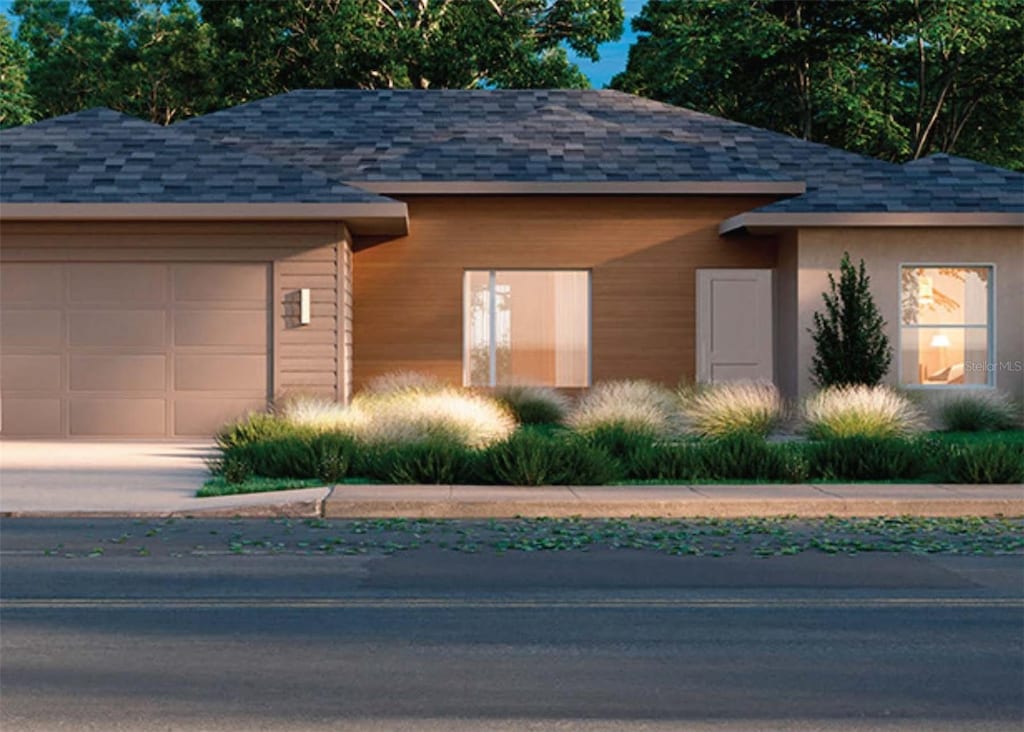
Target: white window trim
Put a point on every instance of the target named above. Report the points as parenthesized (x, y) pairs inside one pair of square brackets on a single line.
[(493, 316), (990, 374)]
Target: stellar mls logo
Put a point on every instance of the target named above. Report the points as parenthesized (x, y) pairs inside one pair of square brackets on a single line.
[(1009, 366)]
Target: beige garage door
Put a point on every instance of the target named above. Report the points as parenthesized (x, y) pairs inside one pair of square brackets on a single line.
[(91, 349)]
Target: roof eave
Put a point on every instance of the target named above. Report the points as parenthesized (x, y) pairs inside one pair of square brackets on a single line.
[(769, 223), (385, 218), (581, 188)]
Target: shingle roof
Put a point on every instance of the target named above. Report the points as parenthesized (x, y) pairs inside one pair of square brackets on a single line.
[(514, 136), (936, 184), (101, 156), (308, 144)]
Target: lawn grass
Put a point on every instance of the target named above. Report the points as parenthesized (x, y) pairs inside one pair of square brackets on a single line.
[(217, 486)]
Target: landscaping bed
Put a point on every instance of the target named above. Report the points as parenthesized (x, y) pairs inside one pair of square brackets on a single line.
[(409, 430)]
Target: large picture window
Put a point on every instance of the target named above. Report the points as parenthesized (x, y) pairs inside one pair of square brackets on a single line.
[(946, 326), (526, 327)]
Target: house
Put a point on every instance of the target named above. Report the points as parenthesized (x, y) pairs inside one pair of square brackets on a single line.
[(158, 281)]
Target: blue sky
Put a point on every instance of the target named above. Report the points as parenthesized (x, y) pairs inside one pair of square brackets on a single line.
[(613, 55)]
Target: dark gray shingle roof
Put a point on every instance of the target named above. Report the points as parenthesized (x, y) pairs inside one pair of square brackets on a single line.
[(102, 156), (507, 136), (936, 184)]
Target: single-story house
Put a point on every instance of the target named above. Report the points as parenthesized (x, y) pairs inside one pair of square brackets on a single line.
[(157, 281)]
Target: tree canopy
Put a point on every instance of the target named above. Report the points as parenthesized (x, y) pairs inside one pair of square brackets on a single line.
[(895, 79), (15, 101), (169, 59)]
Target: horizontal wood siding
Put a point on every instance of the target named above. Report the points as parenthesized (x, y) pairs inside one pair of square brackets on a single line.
[(643, 253), (304, 254)]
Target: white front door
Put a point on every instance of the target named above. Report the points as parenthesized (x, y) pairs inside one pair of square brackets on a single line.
[(734, 324)]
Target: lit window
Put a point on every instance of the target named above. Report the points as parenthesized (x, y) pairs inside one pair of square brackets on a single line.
[(945, 335), (526, 327)]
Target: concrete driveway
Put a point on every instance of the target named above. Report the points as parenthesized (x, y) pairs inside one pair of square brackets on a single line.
[(125, 477)]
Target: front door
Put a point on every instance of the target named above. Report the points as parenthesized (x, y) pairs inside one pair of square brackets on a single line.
[(734, 324)]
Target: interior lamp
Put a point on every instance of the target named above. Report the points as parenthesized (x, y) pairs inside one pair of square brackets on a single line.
[(940, 341)]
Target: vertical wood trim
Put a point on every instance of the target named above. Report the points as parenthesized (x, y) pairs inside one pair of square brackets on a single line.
[(703, 333), (276, 324), (339, 312), (765, 285), (169, 411)]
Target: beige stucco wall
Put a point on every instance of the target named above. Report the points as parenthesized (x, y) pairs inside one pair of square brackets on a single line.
[(818, 251)]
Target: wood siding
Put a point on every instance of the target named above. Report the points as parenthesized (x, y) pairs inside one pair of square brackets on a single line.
[(643, 253), (315, 255)]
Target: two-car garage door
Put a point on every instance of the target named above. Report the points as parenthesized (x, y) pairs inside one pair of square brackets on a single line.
[(131, 349)]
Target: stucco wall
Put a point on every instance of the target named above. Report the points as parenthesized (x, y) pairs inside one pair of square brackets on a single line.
[(884, 250)]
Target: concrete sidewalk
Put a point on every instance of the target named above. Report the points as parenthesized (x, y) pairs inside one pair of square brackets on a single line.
[(136, 478), (720, 501)]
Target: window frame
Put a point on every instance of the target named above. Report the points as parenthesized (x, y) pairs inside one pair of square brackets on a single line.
[(492, 273), (990, 326)]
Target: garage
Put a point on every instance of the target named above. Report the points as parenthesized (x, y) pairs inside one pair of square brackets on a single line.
[(132, 349)]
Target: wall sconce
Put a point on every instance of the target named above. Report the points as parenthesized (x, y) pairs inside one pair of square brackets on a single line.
[(304, 306)]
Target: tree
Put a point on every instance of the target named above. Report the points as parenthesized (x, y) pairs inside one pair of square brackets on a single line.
[(149, 58), (895, 79), (850, 345), (15, 102), (267, 48)]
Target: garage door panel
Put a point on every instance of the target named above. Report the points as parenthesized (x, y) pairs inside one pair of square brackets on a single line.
[(116, 416), (118, 372), (206, 416), (124, 284), (220, 282), (30, 372), (31, 284), (220, 373), (221, 328), (31, 329), (28, 417), (135, 349), (106, 328)]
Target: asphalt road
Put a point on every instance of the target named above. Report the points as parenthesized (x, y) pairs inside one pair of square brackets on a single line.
[(120, 625)]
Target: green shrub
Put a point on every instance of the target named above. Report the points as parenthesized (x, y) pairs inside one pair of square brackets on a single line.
[(658, 461), (748, 457), (534, 404), (531, 457), (734, 407), (860, 411), (979, 412), (235, 470), (327, 456), (868, 458), (991, 462), (850, 345), (639, 406), (256, 427), (433, 461), (620, 441)]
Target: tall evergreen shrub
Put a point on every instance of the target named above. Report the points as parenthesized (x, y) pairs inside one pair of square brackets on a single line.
[(850, 345)]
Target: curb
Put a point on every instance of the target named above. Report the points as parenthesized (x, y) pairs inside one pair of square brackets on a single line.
[(670, 502), (342, 509)]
